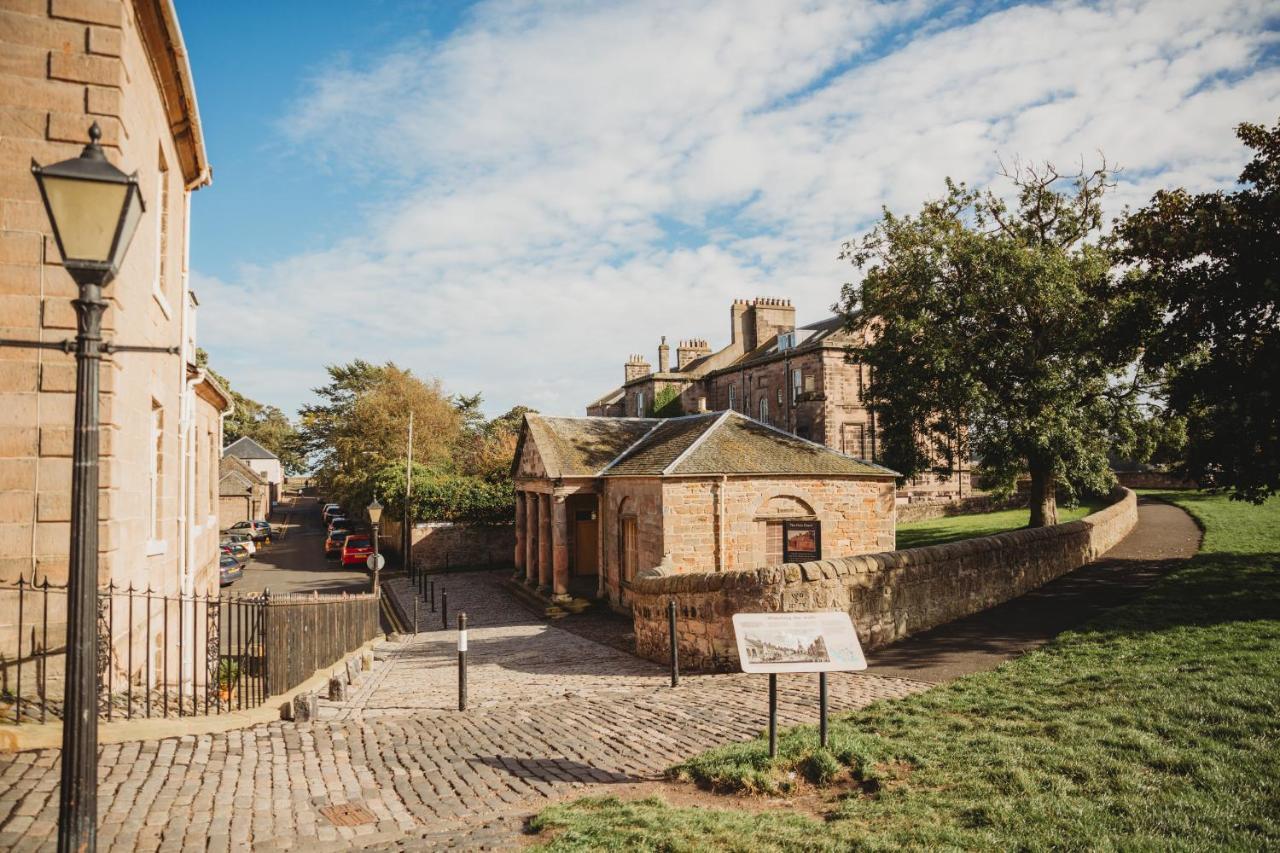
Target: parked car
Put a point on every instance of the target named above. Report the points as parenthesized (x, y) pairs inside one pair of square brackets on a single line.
[(339, 521), (229, 571), (356, 549), (334, 541), (240, 539), (257, 528), (329, 511), (238, 552)]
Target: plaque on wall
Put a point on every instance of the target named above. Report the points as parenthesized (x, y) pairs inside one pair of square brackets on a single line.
[(801, 541), (797, 642)]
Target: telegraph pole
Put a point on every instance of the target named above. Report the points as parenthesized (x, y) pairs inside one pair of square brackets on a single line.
[(406, 533)]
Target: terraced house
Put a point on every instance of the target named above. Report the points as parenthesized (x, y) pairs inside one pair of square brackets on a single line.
[(122, 65), (798, 379), (600, 500)]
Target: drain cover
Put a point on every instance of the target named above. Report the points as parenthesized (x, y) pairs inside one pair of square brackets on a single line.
[(348, 814)]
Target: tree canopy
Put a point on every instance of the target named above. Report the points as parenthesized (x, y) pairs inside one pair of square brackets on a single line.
[(265, 424), (998, 329), (1211, 261)]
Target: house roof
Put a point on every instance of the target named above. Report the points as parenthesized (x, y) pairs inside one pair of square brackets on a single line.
[(246, 448), (613, 397), (581, 447), (235, 478), (706, 443)]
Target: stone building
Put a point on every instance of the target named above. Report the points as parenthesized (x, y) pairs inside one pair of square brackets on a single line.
[(795, 378), (600, 500), (243, 495), (262, 461), (122, 64)]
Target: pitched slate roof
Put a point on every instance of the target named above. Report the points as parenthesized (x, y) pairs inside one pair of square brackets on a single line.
[(235, 478), (581, 447), (246, 448), (706, 443)]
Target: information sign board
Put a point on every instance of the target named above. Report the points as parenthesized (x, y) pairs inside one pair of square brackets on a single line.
[(801, 541), (797, 642), (376, 562)]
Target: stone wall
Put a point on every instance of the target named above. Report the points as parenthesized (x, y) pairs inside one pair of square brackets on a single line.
[(1152, 480), (889, 595), (440, 545), (927, 510)]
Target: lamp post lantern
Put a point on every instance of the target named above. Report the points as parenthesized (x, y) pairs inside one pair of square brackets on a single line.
[(94, 209), (375, 516)]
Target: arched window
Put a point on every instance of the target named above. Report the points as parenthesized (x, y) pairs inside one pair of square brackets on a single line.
[(764, 410)]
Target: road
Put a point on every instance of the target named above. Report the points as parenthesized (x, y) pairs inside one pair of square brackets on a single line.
[(295, 561)]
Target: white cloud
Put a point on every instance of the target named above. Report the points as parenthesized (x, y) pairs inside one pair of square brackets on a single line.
[(578, 180)]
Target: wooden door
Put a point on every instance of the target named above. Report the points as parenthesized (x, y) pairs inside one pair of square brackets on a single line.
[(585, 538)]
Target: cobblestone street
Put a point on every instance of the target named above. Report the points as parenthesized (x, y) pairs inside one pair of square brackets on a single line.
[(551, 714)]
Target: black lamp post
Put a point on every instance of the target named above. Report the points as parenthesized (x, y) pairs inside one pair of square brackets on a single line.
[(375, 516), (94, 209)]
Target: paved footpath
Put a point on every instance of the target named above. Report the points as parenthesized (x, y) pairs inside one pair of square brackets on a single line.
[(551, 714)]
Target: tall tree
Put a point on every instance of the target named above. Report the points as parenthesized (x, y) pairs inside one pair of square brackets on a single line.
[(1212, 260), (998, 329)]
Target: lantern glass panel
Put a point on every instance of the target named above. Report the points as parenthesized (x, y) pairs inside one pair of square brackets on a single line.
[(86, 214)]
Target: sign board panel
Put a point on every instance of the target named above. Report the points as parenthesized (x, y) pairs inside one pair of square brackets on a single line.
[(376, 562), (801, 541), (797, 642)]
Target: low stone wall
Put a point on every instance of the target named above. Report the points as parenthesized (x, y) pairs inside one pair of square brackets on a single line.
[(889, 595), (1152, 480), (964, 506), (440, 545)]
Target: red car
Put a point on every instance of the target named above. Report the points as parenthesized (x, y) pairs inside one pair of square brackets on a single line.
[(356, 550)]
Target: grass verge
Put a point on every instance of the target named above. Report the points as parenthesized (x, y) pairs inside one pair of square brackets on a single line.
[(937, 531), (1154, 727)]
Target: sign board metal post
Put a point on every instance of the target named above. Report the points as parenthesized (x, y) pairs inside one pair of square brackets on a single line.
[(822, 710), (773, 715), (675, 645)]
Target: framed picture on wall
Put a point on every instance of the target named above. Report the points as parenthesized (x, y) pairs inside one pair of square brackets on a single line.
[(801, 541)]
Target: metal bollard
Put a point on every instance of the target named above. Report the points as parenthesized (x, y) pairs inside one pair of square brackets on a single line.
[(822, 709), (432, 585), (415, 616), (675, 645), (462, 661), (444, 607)]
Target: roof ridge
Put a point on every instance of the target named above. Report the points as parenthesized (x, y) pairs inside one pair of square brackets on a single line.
[(720, 419), (632, 446)]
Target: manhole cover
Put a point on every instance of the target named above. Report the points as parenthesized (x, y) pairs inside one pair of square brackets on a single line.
[(348, 814)]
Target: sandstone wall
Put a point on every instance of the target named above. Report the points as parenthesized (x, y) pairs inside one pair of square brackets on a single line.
[(1152, 480), (889, 595), (445, 545)]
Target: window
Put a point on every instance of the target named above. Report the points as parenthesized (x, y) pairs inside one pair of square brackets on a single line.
[(779, 399), (764, 410), (161, 201), (639, 404), (786, 341), (733, 402), (155, 529), (795, 386), (853, 437), (630, 549), (808, 383)]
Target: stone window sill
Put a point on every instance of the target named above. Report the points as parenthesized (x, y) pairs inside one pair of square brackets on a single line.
[(157, 547)]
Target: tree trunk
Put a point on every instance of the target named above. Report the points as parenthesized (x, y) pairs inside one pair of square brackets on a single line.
[(1044, 500)]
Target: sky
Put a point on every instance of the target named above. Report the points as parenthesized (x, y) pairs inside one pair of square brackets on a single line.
[(513, 196)]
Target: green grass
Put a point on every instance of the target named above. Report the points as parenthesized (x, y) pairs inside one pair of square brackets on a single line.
[(937, 531), (1154, 727)]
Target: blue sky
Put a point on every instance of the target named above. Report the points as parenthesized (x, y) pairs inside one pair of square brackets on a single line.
[(513, 195)]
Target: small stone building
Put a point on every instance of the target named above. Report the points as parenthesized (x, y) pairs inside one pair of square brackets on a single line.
[(600, 500), (243, 495), (263, 462)]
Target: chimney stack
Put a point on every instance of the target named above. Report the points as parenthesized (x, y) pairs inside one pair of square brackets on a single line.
[(635, 368), (690, 351), (664, 356)]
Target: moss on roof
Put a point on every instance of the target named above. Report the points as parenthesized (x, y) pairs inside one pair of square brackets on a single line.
[(660, 447), (740, 445), (581, 447)]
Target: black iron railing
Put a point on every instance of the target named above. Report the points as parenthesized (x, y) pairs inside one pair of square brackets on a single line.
[(164, 654)]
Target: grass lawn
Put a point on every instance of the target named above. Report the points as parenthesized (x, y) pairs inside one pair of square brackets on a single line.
[(1154, 727), (936, 531)]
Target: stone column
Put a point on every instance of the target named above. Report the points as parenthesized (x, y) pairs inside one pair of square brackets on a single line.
[(559, 548), (544, 542), (520, 546), (531, 549)]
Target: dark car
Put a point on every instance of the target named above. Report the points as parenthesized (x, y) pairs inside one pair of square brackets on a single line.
[(356, 550), (236, 551), (329, 511), (229, 570), (334, 541)]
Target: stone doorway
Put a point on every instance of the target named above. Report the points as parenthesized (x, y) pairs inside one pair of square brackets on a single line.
[(584, 551)]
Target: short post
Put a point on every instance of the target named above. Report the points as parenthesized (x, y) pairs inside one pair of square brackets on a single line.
[(432, 585), (415, 616), (462, 661), (444, 607), (773, 715), (822, 709), (675, 646)]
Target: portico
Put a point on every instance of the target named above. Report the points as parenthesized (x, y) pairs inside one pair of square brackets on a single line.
[(555, 536)]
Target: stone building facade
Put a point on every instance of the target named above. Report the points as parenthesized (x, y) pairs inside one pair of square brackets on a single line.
[(798, 379), (601, 500), (243, 495), (122, 64), (262, 462)]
